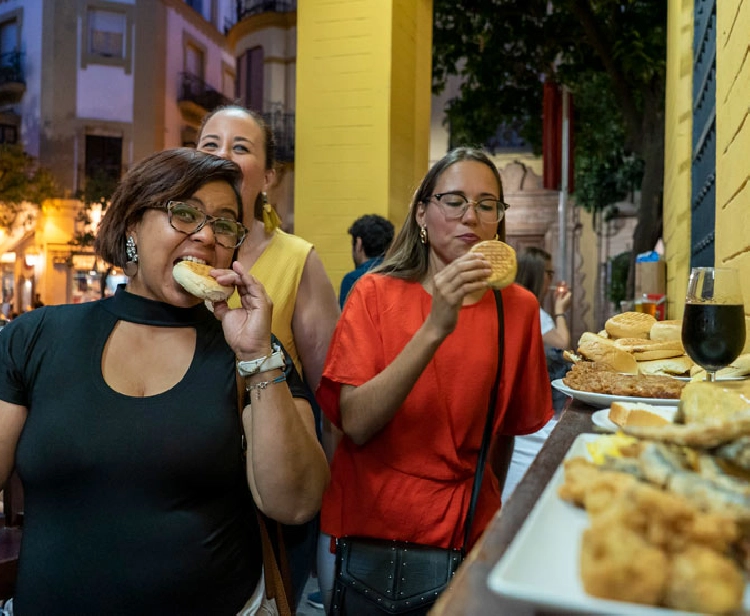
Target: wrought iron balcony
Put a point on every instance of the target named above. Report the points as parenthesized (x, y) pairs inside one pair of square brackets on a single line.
[(194, 90), (12, 80), (245, 8), (282, 125)]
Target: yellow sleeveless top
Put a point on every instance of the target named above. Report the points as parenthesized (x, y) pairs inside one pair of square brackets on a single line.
[(279, 269)]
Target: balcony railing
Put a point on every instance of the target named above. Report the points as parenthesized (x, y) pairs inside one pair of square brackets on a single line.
[(195, 90), (245, 8), (11, 67), (282, 125)]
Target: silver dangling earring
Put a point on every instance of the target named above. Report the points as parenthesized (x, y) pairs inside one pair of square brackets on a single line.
[(131, 265), (423, 235)]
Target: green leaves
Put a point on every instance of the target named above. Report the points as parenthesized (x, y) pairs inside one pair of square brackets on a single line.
[(21, 179), (610, 53)]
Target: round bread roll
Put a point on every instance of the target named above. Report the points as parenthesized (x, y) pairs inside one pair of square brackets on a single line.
[(604, 351), (666, 330), (502, 258), (645, 350), (195, 279), (630, 325)]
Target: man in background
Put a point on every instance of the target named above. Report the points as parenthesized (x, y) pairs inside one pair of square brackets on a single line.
[(371, 237)]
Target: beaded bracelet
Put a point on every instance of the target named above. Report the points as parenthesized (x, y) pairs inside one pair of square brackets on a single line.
[(264, 384)]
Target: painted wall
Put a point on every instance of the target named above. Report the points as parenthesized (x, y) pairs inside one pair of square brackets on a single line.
[(733, 142), (356, 108), (678, 152)]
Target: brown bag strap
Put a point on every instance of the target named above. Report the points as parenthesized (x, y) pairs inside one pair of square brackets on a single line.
[(276, 569)]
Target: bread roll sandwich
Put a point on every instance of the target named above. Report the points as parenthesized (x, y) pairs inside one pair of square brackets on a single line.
[(194, 277), (672, 366), (706, 402), (630, 325), (639, 414), (604, 351), (502, 258), (666, 330), (644, 350)]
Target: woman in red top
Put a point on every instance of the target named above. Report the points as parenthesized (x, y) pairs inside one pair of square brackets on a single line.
[(411, 365)]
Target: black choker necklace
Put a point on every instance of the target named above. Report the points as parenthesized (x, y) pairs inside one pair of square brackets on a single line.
[(138, 309)]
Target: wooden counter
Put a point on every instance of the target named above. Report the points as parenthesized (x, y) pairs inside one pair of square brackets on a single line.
[(468, 594)]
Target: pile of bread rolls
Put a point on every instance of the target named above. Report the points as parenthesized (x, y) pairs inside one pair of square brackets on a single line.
[(636, 343)]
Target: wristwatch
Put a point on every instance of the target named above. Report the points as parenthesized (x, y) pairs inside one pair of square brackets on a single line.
[(262, 364)]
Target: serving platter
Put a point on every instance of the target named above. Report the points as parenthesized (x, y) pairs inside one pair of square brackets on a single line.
[(541, 566), (605, 400)]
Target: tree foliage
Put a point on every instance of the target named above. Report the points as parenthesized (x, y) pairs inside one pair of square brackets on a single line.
[(21, 179), (612, 56)]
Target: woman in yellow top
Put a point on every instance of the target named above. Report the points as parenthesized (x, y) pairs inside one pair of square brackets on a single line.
[(305, 308)]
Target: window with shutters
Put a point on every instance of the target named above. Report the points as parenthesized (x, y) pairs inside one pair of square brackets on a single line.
[(703, 167), (108, 33)]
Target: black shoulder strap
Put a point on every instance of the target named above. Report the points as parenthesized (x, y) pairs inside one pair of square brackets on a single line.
[(482, 459)]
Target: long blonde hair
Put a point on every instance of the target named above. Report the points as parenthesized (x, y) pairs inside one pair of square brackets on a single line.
[(408, 256)]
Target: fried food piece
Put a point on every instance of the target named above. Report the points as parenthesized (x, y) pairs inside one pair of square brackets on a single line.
[(589, 487), (584, 377), (702, 580), (617, 563), (666, 520)]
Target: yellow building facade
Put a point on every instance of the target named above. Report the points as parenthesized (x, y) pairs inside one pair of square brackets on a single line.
[(363, 117), (732, 117)]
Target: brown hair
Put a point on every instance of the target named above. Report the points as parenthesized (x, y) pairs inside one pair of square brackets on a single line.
[(269, 143), (407, 257), (532, 266), (171, 175)]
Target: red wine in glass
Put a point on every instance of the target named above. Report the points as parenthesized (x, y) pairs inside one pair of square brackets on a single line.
[(713, 324), (710, 334)]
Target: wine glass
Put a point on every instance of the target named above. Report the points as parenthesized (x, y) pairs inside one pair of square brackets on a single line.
[(713, 326)]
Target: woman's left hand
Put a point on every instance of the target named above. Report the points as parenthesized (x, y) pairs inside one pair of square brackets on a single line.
[(247, 329)]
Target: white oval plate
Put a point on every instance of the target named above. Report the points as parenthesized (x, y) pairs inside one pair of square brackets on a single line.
[(602, 421), (604, 400)]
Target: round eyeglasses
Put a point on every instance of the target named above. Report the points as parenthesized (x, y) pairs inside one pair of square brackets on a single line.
[(455, 205), (189, 219)]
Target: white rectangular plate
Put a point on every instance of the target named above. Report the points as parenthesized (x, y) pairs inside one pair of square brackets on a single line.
[(605, 400), (541, 565)]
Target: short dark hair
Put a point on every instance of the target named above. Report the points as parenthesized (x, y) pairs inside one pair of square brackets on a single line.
[(376, 233), (171, 175)]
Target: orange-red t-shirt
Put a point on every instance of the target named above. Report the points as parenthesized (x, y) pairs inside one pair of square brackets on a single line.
[(412, 481)]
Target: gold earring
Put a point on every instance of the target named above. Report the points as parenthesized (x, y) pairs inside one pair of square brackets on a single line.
[(423, 235), (497, 237)]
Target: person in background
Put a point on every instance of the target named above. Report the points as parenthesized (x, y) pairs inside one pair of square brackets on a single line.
[(535, 272), (139, 498), (411, 366), (371, 237), (305, 309)]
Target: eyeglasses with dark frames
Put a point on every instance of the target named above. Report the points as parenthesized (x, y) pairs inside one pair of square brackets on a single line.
[(455, 205), (189, 219)]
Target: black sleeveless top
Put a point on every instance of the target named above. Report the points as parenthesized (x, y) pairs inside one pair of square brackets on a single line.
[(132, 505)]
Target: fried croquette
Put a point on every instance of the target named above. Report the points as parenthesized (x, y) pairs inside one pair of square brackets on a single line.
[(702, 580), (617, 563)]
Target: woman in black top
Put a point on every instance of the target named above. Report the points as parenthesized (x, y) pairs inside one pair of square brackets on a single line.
[(121, 416)]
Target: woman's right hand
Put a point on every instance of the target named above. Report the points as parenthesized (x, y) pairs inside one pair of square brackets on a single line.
[(466, 275)]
